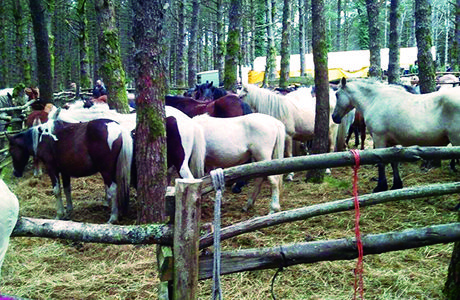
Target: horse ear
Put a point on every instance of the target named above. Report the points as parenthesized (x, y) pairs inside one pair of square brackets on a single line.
[(344, 81)]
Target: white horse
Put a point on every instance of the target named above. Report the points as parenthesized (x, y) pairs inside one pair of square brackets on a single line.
[(233, 141), (297, 111), (9, 209), (394, 116)]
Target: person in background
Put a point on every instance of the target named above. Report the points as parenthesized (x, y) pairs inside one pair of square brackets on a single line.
[(99, 92)]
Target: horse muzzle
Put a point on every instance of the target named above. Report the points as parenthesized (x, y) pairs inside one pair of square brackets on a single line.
[(336, 119)]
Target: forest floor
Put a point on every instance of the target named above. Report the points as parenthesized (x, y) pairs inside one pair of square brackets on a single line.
[(39, 268)]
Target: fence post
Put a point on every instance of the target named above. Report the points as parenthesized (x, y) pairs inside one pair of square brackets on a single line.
[(165, 258), (186, 238)]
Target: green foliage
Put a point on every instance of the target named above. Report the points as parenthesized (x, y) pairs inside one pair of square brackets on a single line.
[(361, 26), (336, 183)]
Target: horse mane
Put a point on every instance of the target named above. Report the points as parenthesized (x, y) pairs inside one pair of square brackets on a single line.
[(372, 84), (267, 102)]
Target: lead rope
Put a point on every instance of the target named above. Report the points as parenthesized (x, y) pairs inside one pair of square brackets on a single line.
[(218, 182), (359, 284)]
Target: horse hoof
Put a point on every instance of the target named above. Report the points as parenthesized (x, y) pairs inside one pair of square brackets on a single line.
[(396, 187), (112, 220), (380, 189), (289, 178), (275, 210), (328, 171)]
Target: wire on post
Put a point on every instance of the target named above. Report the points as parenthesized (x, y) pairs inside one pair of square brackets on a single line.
[(218, 182)]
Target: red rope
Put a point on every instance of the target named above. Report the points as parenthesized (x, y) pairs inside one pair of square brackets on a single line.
[(359, 265)]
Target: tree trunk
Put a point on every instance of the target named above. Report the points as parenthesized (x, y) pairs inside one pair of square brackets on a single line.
[(393, 65), (302, 26), (456, 44), (270, 65), (180, 69), (192, 45), (285, 47), (252, 50), (85, 81), (375, 70), (233, 46), (45, 80), (220, 52), (4, 74), (19, 24), (150, 142), (338, 27), (320, 50), (426, 67), (111, 67)]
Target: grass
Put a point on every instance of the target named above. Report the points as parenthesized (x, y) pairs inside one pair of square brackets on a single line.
[(39, 268)]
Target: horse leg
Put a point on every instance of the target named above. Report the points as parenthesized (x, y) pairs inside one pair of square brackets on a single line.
[(67, 189), (37, 169), (288, 151), (350, 132), (112, 197), (236, 188), (257, 185), (275, 181), (452, 165), (363, 134), (382, 184), (397, 182), (356, 130), (57, 194)]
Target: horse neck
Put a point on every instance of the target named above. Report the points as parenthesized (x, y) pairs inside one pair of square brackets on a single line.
[(364, 95)]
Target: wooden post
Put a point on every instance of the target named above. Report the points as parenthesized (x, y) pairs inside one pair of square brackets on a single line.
[(165, 258), (186, 238)]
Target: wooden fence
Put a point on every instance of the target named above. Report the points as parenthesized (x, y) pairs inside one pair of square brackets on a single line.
[(179, 263)]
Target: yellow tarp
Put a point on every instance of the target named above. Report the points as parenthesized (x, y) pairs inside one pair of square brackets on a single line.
[(334, 74)]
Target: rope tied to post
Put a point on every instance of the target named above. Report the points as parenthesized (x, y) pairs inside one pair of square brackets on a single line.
[(359, 284), (218, 182)]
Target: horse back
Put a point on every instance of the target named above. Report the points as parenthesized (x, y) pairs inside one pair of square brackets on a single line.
[(82, 149), (228, 106), (187, 105)]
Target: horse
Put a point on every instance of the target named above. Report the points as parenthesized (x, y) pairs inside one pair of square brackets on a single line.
[(228, 106), (296, 110), (447, 81), (78, 150), (233, 141), (358, 127), (207, 91), (394, 116), (185, 142), (9, 210)]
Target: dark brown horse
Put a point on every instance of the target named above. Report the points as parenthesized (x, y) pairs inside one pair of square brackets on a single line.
[(228, 106), (79, 150), (358, 127)]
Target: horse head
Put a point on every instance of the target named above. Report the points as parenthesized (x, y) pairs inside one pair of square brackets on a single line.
[(343, 104), (19, 146)]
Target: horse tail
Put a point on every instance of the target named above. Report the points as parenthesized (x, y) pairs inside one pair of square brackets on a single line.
[(342, 131), (124, 170), (197, 159), (278, 151)]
